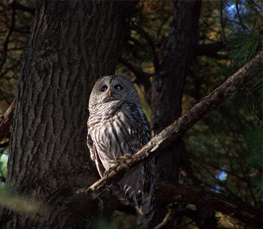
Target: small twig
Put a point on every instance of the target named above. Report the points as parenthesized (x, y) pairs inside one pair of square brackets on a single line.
[(253, 105), (168, 218), (255, 4), (244, 27), (186, 224)]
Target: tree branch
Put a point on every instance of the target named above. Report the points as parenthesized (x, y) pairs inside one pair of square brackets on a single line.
[(6, 120), (211, 50), (18, 6), (197, 196)]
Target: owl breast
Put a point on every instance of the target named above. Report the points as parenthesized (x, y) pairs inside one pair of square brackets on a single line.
[(112, 134)]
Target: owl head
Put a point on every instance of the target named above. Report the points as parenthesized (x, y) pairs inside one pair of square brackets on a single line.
[(113, 88)]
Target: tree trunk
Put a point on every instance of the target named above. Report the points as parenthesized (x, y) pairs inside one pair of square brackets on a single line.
[(167, 88), (73, 43)]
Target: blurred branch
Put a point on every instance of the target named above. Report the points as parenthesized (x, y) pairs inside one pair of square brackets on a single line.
[(21, 204), (211, 50), (256, 4), (6, 40), (7, 120), (222, 22), (174, 213), (3, 145), (2, 179), (180, 126), (244, 27), (253, 106), (18, 6), (197, 196), (168, 218), (136, 42), (151, 44)]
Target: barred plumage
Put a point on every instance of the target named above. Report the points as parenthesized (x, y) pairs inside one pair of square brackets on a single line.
[(117, 127)]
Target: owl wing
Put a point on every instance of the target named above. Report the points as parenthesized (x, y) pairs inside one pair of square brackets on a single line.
[(94, 156), (139, 130), (140, 135)]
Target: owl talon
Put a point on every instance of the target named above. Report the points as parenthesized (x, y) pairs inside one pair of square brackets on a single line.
[(124, 158), (113, 167)]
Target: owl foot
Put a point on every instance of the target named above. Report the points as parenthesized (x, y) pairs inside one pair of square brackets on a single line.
[(113, 167), (124, 158)]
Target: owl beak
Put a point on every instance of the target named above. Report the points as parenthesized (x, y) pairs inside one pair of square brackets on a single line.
[(110, 93)]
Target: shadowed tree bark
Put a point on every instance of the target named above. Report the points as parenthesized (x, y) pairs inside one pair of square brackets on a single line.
[(167, 89), (72, 44)]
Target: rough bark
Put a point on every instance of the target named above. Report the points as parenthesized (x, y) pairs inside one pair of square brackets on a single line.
[(227, 90), (167, 88), (72, 44)]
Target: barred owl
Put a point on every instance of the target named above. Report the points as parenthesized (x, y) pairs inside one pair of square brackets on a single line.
[(117, 127)]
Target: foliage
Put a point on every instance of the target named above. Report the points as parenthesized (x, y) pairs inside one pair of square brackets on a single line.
[(20, 204), (3, 164), (244, 47), (226, 146)]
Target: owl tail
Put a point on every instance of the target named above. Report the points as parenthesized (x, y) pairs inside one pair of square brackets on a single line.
[(145, 212), (118, 192)]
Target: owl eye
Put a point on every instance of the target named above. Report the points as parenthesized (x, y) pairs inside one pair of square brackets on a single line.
[(103, 88), (118, 87)]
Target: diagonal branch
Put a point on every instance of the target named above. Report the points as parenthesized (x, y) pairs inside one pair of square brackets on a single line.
[(244, 27), (179, 127)]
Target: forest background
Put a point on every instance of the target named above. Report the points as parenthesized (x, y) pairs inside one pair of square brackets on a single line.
[(208, 43)]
